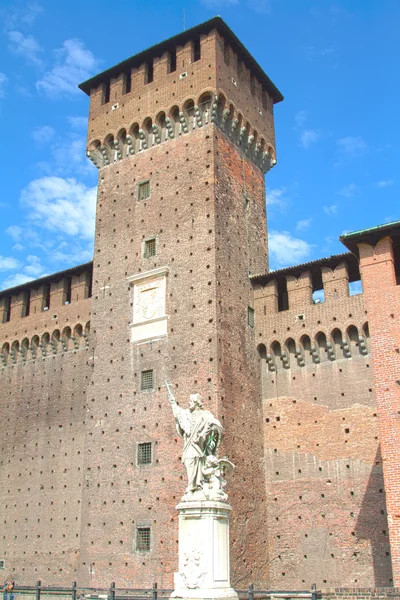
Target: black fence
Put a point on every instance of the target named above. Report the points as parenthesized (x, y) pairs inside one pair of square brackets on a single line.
[(39, 592)]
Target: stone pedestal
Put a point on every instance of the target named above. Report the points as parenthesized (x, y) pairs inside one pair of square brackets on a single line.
[(203, 551)]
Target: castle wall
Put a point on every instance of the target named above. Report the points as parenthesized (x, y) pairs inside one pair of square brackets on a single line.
[(382, 298), (327, 520), (241, 248), (43, 419)]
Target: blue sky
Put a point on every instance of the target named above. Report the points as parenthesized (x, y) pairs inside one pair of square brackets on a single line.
[(337, 130)]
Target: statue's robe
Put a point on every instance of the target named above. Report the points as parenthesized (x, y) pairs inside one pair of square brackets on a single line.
[(196, 427)]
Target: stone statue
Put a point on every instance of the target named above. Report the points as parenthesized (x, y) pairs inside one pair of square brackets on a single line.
[(202, 436)]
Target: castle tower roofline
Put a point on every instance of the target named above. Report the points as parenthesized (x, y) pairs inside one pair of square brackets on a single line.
[(34, 283), (372, 235), (179, 40)]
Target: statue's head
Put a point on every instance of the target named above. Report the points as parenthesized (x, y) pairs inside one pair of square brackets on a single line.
[(195, 401)]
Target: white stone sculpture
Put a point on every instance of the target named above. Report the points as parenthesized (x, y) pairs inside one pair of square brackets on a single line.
[(202, 435)]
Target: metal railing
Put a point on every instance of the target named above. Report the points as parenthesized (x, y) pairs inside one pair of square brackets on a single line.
[(39, 592)]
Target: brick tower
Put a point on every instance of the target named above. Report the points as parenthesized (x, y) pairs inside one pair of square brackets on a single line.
[(182, 134)]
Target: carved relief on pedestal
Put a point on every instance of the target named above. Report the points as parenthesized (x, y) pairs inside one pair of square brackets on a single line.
[(194, 569)]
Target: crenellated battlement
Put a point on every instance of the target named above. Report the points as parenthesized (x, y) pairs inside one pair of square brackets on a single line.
[(45, 316), (207, 108)]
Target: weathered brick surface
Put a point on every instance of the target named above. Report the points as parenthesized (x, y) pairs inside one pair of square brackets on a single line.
[(295, 393), (327, 521), (382, 298)]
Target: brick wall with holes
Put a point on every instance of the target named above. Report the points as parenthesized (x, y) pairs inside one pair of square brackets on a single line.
[(382, 299), (43, 418), (190, 80), (209, 348), (327, 520)]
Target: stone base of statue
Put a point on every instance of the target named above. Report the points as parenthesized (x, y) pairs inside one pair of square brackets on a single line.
[(203, 551)]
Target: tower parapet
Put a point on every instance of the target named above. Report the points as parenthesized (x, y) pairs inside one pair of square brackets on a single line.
[(201, 76)]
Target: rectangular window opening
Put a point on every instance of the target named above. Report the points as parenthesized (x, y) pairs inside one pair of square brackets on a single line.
[(172, 61), (144, 453), (46, 297), (106, 92), (147, 380), (196, 50), (27, 303), (396, 259), (149, 72), (7, 310), (143, 539), (150, 248), (144, 190), (283, 297), (2, 564), (227, 53), (68, 291), (355, 287), (127, 82), (250, 316)]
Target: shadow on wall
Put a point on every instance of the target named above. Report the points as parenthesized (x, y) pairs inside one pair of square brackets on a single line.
[(372, 524)]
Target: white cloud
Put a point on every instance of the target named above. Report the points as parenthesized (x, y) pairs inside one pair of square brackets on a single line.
[(308, 137), (263, 7), (16, 279), (287, 250), (42, 135), (276, 196), (78, 122), (8, 263), (352, 147), (301, 118), (18, 247), (331, 209), (350, 190), (74, 64), (23, 16), (15, 231), (385, 183), (3, 84), (61, 205), (303, 224), (68, 156), (34, 268), (26, 46)]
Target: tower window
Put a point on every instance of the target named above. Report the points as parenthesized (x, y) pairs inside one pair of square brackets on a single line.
[(106, 92), (196, 50), (149, 72), (147, 380), (2, 564), (149, 248), (143, 539), (227, 53), (127, 82), (27, 303), (144, 453), (7, 309), (68, 291), (250, 316), (172, 61), (46, 297), (144, 190)]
